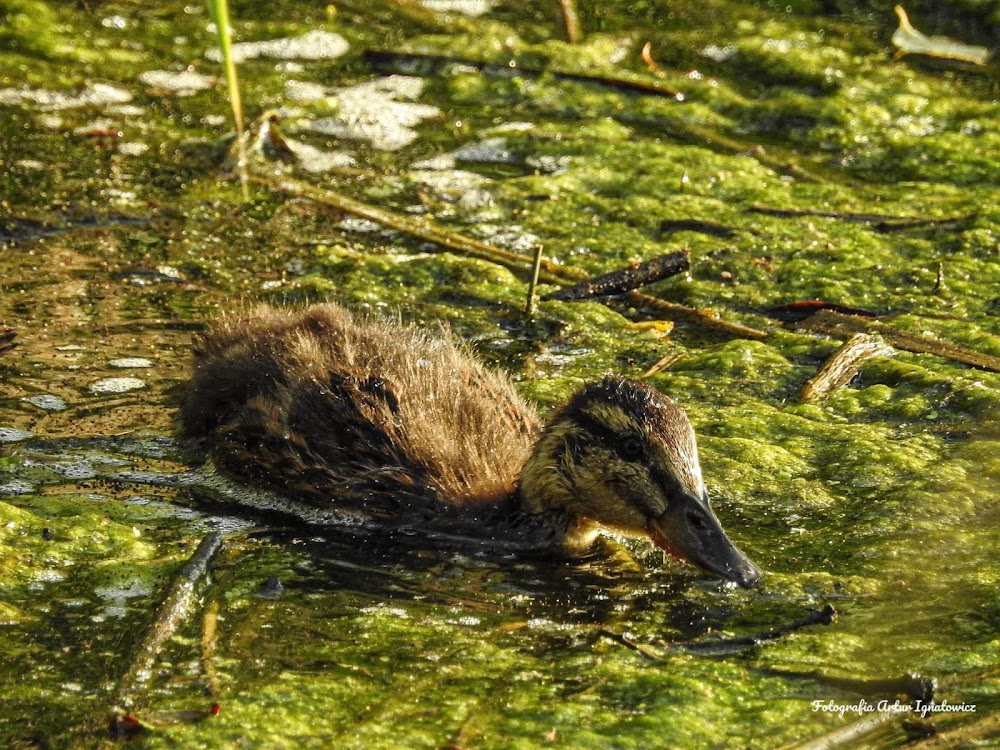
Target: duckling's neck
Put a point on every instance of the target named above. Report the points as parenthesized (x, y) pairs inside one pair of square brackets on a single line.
[(506, 524), (545, 485), (545, 491), (576, 534), (540, 513)]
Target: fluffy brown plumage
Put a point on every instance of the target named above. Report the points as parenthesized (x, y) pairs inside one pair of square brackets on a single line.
[(329, 406), (410, 428)]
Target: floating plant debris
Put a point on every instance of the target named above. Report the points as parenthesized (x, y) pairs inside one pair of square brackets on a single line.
[(626, 279), (372, 112), (116, 385), (313, 45), (181, 82), (837, 324), (841, 368), (909, 41)]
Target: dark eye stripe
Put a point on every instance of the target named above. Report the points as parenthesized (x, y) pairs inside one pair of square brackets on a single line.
[(610, 438)]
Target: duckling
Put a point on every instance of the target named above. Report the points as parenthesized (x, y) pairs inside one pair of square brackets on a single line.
[(409, 428)]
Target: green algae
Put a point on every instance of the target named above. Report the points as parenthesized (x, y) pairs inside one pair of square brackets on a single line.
[(880, 500)]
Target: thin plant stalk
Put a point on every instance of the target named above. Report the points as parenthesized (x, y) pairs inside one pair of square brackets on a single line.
[(529, 308), (219, 10), (574, 29)]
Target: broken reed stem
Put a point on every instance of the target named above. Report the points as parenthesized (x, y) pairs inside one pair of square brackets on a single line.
[(625, 279), (840, 369), (843, 326), (549, 273), (209, 643), (172, 612), (939, 285), (849, 736), (629, 643), (529, 308), (667, 361), (571, 19)]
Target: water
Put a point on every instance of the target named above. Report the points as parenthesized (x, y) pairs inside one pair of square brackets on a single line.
[(122, 234)]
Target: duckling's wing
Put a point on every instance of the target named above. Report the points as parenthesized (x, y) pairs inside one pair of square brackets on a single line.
[(318, 442), (367, 413)]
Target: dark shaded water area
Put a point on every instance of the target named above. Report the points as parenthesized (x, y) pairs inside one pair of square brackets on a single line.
[(122, 231)]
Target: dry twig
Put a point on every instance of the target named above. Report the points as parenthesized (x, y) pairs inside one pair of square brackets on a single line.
[(840, 369), (172, 612), (844, 326)]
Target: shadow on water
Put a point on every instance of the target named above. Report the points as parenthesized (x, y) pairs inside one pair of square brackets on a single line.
[(343, 553)]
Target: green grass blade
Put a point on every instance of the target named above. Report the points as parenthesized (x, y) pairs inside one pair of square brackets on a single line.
[(219, 11)]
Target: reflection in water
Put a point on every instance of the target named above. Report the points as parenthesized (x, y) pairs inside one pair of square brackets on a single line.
[(348, 553)]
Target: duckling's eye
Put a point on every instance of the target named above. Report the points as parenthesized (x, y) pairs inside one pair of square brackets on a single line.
[(631, 448)]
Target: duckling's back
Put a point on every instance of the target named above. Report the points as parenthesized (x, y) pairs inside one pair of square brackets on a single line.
[(328, 407)]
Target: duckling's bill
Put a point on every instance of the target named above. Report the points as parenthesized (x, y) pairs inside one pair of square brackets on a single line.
[(689, 530)]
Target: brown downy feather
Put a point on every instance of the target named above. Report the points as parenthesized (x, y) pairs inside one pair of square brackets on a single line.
[(326, 406)]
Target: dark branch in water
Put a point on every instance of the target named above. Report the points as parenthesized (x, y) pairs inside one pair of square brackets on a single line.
[(840, 369), (629, 643), (626, 279), (793, 312), (912, 686), (172, 612), (845, 326), (878, 222), (711, 228), (723, 646)]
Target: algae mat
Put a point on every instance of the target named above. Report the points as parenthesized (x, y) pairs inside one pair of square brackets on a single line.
[(801, 161)]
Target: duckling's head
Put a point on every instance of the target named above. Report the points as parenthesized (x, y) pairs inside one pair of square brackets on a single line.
[(621, 454)]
